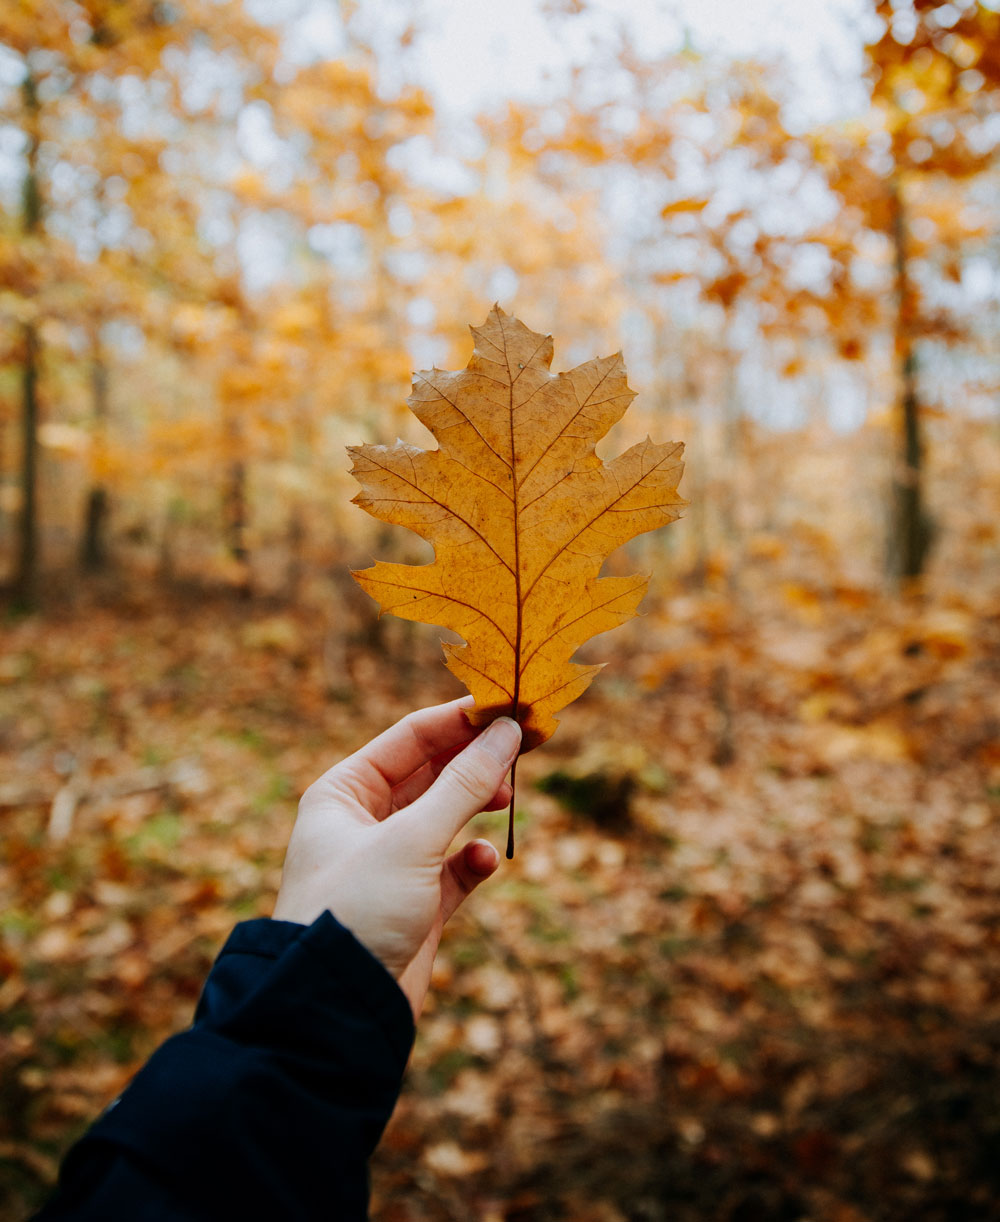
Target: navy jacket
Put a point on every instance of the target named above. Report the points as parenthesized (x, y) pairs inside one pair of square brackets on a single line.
[(268, 1106)]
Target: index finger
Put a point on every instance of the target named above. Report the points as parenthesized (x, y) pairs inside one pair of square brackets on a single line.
[(399, 751)]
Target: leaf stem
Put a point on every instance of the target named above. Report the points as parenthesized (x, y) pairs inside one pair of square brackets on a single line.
[(510, 813)]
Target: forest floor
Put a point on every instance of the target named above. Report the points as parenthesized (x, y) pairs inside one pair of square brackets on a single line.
[(744, 965)]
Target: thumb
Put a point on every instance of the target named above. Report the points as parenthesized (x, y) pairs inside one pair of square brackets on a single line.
[(466, 783)]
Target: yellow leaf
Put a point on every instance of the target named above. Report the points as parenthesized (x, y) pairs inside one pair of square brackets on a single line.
[(522, 514), (684, 205)]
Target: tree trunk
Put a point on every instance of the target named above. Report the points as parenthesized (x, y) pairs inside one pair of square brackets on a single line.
[(911, 527), (236, 523), (93, 548), (94, 552), (26, 572)]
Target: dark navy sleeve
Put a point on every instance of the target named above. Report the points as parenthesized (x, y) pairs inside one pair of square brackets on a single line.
[(269, 1105)]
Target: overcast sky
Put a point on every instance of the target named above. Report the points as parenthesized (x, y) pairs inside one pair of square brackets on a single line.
[(476, 54)]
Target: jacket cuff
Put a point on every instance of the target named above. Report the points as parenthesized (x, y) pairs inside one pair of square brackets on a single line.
[(332, 950), (287, 1077)]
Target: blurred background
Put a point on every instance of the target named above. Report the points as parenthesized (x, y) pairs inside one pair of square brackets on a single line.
[(745, 963)]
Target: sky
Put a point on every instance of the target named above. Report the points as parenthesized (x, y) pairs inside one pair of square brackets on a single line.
[(476, 55), (473, 55)]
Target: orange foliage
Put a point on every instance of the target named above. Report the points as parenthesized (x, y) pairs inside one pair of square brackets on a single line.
[(522, 514)]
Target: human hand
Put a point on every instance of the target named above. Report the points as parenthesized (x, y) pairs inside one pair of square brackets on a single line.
[(389, 879)]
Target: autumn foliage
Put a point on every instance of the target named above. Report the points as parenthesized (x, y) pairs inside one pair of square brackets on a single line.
[(745, 964), (522, 514)]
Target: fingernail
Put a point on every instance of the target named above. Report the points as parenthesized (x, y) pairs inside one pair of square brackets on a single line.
[(501, 739)]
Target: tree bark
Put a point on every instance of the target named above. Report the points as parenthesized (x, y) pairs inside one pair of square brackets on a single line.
[(26, 572), (93, 548), (911, 527), (236, 523)]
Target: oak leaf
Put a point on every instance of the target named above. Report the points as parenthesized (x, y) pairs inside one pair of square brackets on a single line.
[(522, 514)]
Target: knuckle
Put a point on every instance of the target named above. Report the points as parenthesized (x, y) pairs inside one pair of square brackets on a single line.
[(414, 722), (463, 774), (311, 798), (463, 883)]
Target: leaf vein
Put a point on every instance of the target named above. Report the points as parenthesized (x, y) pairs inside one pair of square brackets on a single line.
[(469, 421), (448, 509), (576, 415), (596, 518), (569, 623)]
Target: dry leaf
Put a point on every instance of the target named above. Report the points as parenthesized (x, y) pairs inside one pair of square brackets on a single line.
[(522, 514)]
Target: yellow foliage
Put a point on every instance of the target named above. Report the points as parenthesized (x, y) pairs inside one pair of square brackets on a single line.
[(522, 514)]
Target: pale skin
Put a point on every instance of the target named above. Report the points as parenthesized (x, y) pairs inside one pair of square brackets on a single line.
[(372, 838)]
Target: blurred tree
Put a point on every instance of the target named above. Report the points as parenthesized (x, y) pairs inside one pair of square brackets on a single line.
[(812, 244), (26, 573), (522, 232), (935, 80), (730, 259), (103, 89), (311, 328), (355, 209)]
